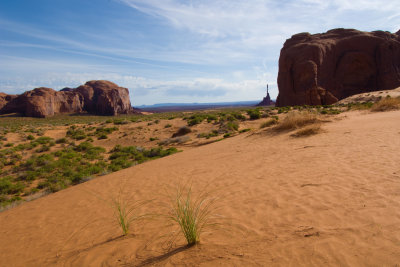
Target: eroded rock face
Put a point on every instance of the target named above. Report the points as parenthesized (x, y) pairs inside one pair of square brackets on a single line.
[(97, 97), (43, 102), (105, 98), (323, 68)]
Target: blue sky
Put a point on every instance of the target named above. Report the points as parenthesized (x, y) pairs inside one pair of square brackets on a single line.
[(167, 50)]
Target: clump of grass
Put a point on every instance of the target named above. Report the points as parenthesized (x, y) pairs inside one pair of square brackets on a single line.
[(174, 140), (75, 133), (196, 119), (307, 131), (386, 104), (254, 114), (295, 120), (127, 212), (213, 133), (268, 123), (192, 214)]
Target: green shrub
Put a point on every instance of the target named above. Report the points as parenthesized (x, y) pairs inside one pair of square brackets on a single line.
[(8, 187), (77, 134), (30, 137), (61, 141), (196, 119), (43, 148), (254, 114), (192, 214), (120, 122)]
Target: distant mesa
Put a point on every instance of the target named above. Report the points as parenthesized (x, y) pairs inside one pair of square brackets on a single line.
[(323, 68), (266, 100), (96, 97)]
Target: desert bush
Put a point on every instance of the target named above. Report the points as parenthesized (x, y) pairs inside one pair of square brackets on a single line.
[(268, 123), (294, 120), (196, 119), (74, 133), (120, 122), (174, 140), (182, 131), (307, 131), (30, 137), (102, 132), (8, 187), (43, 148), (61, 140), (168, 125), (386, 104), (211, 118), (213, 133), (254, 114), (231, 126), (192, 214), (153, 139), (244, 130)]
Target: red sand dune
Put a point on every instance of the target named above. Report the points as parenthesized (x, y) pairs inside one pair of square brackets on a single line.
[(332, 199)]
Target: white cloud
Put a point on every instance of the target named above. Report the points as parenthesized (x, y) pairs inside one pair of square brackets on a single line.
[(150, 91)]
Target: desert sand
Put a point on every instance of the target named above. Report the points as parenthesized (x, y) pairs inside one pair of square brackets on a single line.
[(331, 199)]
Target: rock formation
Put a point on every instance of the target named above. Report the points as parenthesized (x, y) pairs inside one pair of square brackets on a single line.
[(324, 68), (97, 97), (105, 98), (266, 100)]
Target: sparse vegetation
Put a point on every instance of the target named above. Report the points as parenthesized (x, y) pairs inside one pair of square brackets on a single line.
[(174, 140), (269, 123), (127, 212), (254, 114), (386, 104), (307, 131), (192, 214), (295, 119)]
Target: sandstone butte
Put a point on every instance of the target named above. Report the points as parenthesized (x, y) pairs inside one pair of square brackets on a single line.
[(96, 97), (321, 69)]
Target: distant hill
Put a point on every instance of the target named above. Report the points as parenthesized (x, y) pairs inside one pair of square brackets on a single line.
[(162, 107)]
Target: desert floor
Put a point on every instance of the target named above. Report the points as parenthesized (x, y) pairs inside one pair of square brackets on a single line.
[(331, 199)]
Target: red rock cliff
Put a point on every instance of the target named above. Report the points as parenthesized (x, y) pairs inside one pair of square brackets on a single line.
[(97, 97), (324, 68)]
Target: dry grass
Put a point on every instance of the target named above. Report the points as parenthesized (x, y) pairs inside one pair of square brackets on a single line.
[(308, 130), (268, 123), (386, 104), (295, 120)]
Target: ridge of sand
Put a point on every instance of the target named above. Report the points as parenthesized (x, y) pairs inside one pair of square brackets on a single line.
[(326, 200), (373, 96)]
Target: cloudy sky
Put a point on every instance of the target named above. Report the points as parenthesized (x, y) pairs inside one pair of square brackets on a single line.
[(167, 50)]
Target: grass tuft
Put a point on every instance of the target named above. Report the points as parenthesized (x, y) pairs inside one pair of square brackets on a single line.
[(268, 123), (295, 120), (127, 212), (307, 131), (386, 104), (192, 214)]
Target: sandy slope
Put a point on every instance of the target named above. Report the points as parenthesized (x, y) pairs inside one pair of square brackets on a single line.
[(328, 200)]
